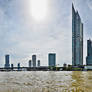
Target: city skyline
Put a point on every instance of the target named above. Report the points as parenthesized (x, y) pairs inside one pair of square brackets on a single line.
[(22, 35), (31, 63), (45, 45)]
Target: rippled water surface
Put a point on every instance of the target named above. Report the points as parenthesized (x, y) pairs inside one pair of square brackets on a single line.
[(46, 81)]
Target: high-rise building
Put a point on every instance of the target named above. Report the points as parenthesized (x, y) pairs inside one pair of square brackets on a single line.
[(30, 63), (77, 39), (12, 66), (52, 59), (34, 60), (38, 63), (89, 53), (7, 65), (18, 66)]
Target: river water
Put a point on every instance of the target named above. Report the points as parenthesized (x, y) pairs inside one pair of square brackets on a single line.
[(38, 81)]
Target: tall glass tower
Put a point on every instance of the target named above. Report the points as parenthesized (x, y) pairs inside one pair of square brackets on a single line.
[(89, 53), (77, 39), (30, 63), (52, 59), (38, 63), (7, 65), (34, 60)]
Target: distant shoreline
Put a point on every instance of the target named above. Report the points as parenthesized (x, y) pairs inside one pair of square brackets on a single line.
[(46, 68)]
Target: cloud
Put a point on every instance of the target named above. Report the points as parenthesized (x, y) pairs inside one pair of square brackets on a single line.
[(22, 36), (89, 2)]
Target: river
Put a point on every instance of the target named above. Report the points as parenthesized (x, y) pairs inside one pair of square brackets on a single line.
[(46, 81)]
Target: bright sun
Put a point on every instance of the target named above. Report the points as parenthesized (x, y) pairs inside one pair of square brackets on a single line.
[(39, 9)]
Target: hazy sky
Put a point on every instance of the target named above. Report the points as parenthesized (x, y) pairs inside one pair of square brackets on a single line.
[(30, 27)]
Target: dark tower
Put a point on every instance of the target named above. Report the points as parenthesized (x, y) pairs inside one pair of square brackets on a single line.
[(52, 59), (38, 63), (7, 65), (30, 63), (34, 60), (89, 53)]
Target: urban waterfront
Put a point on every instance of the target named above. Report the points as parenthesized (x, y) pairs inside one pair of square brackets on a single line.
[(44, 47), (48, 81)]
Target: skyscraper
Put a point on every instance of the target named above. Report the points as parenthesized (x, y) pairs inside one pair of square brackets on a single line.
[(52, 59), (89, 53), (77, 39), (34, 60), (12, 66), (7, 65), (18, 66), (38, 63), (30, 63)]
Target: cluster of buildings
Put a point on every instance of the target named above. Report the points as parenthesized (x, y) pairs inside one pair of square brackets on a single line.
[(7, 63), (32, 63), (77, 42)]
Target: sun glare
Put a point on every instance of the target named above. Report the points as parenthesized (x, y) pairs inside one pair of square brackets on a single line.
[(39, 9)]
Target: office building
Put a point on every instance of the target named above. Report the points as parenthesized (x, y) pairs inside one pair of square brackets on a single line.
[(89, 53), (7, 65), (30, 63), (38, 63), (77, 39), (18, 66), (52, 59), (12, 66), (34, 60)]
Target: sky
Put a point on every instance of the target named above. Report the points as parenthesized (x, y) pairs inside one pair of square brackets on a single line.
[(30, 27)]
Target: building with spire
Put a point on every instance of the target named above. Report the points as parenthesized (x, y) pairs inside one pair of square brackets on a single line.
[(77, 39)]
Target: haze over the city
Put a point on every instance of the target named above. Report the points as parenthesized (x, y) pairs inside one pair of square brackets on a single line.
[(39, 27)]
